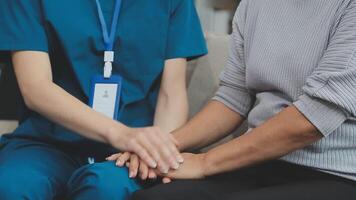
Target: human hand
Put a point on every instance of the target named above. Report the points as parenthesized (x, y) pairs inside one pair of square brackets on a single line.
[(137, 167), (192, 168), (153, 146)]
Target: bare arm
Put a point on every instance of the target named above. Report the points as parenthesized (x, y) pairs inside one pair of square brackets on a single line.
[(41, 94), (34, 75), (211, 124), (172, 105), (286, 132)]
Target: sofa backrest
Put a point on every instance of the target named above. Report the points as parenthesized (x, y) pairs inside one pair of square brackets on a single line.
[(203, 74)]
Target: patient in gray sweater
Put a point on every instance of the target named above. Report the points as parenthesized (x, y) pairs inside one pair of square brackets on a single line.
[(300, 52), (292, 74)]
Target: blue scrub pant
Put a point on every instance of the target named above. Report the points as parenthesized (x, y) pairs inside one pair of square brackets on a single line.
[(37, 171)]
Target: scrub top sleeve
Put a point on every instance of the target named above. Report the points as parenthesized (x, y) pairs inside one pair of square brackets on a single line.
[(185, 35), (21, 23)]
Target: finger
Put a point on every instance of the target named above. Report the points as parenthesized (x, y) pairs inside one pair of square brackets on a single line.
[(170, 153), (143, 154), (167, 159), (134, 164), (143, 170), (123, 159), (128, 164), (149, 143), (166, 180), (152, 174), (175, 150), (113, 157)]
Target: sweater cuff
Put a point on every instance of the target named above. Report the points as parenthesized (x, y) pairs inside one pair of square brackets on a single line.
[(238, 101), (325, 116)]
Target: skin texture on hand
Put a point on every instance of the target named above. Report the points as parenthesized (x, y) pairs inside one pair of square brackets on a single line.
[(161, 147), (137, 167), (192, 168)]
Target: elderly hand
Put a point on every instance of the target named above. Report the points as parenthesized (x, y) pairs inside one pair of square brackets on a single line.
[(192, 168)]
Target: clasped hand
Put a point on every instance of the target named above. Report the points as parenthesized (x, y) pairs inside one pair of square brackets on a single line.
[(192, 167), (158, 149)]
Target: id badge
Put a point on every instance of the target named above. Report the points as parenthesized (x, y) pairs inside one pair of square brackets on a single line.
[(105, 95)]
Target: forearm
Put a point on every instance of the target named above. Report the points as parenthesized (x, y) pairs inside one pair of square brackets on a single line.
[(283, 134), (211, 124), (172, 110), (34, 75), (59, 106)]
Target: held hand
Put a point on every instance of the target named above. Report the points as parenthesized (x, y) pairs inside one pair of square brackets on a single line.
[(136, 166), (156, 148), (192, 168)]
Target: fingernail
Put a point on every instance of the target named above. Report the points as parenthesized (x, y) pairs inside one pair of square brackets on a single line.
[(180, 159), (131, 175)]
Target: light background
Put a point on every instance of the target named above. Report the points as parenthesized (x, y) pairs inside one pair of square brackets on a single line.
[(216, 15)]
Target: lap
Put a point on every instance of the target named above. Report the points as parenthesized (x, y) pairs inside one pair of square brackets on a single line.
[(208, 189), (101, 181), (274, 180), (309, 190), (33, 169)]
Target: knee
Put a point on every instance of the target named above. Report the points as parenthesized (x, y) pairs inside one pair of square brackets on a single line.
[(23, 186), (8, 191), (102, 181)]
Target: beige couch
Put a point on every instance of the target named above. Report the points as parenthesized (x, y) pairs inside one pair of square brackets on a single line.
[(203, 76)]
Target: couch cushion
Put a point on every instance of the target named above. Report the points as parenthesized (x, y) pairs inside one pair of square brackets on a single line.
[(204, 79)]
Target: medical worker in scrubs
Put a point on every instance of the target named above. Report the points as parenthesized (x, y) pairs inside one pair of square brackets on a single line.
[(58, 49)]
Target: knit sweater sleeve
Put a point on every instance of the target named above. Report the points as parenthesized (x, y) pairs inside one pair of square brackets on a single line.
[(329, 97), (233, 91)]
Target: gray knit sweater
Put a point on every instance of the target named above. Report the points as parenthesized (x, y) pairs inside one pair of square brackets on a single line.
[(300, 52)]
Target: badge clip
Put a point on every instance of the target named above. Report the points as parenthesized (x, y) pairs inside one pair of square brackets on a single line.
[(108, 59)]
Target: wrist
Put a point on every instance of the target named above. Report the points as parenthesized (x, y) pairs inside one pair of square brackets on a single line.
[(181, 147), (208, 165), (204, 164), (117, 135)]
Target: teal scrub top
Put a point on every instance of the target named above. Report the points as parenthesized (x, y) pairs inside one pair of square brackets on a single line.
[(149, 32)]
